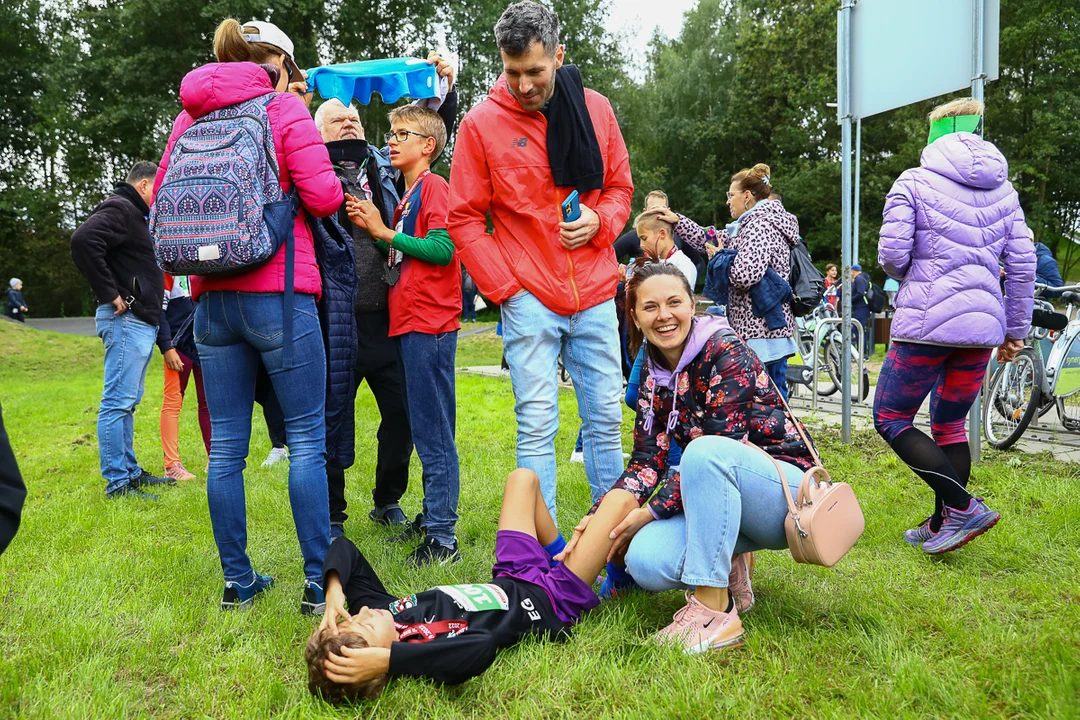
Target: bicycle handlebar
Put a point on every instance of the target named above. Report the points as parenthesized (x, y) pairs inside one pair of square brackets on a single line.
[(1039, 287)]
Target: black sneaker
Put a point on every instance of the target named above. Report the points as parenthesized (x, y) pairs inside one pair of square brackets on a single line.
[(129, 491), (413, 531), (390, 514), (241, 596), (146, 480), (336, 530), (433, 552)]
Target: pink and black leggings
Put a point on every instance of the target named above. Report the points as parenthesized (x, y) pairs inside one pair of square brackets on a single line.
[(952, 376)]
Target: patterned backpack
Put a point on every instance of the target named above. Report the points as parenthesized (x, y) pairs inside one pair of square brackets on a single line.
[(220, 208)]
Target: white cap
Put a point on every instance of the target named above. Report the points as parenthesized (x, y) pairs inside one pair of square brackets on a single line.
[(15, 281), (271, 34)]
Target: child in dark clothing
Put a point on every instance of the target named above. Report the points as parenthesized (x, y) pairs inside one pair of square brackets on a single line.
[(452, 632)]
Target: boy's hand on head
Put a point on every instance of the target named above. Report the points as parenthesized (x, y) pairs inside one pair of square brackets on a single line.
[(442, 67), (575, 234), (356, 665), (335, 606)]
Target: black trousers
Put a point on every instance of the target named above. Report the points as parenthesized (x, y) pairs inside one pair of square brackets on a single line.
[(275, 418), (12, 490), (379, 362)]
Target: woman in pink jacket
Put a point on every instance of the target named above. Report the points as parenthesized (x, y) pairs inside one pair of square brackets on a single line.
[(239, 319)]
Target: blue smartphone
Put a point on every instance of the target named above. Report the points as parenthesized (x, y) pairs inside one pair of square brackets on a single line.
[(571, 210)]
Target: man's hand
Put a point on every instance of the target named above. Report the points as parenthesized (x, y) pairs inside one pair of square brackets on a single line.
[(363, 213), (625, 531), (357, 665), (561, 557), (442, 67), (1008, 350), (120, 305), (173, 361), (335, 605), (575, 234)]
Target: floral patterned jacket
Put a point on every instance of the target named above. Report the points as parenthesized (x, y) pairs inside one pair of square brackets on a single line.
[(723, 391)]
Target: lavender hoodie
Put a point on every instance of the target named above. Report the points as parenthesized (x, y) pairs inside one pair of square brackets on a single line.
[(947, 224)]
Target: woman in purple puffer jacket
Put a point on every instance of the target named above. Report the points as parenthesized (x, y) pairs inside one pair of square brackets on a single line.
[(947, 226)]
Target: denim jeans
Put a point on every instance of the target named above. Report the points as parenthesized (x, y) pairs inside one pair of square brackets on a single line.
[(431, 399), (731, 504), (234, 330), (533, 337), (129, 344)]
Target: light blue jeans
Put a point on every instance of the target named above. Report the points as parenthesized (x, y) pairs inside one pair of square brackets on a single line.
[(129, 345), (731, 504), (533, 337), (234, 332)]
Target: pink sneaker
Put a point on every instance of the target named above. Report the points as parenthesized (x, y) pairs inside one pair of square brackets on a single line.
[(176, 471), (697, 628), (742, 569)]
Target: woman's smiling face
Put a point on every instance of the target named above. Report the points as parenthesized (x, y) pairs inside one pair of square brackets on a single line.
[(664, 312)]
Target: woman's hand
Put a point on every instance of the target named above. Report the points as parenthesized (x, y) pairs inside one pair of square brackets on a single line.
[(625, 531), (1008, 350), (357, 665), (711, 250), (335, 606), (668, 216), (578, 531)]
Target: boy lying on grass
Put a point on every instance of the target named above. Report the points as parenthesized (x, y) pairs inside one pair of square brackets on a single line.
[(451, 633)]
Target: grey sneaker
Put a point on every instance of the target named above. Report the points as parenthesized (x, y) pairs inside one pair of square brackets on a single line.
[(960, 527), (918, 535)]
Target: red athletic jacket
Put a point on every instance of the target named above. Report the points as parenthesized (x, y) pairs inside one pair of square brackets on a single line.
[(501, 165)]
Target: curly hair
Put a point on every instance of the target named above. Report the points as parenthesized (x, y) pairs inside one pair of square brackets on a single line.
[(319, 646)]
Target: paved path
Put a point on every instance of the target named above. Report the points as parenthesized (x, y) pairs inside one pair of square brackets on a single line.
[(72, 326), (1041, 436)]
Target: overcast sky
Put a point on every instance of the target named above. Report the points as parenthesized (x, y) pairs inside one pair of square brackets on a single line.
[(635, 20)]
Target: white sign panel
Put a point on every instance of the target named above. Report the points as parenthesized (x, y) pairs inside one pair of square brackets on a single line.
[(904, 51)]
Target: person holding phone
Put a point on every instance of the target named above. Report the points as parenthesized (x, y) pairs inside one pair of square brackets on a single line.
[(540, 129)]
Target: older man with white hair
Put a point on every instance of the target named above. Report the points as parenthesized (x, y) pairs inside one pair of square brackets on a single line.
[(365, 173)]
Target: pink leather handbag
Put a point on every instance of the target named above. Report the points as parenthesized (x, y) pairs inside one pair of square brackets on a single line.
[(824, 520)]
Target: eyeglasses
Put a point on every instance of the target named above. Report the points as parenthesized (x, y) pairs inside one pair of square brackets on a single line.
[(401, 135), (731, 194)]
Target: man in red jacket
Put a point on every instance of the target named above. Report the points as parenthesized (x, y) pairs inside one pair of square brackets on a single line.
[(537, 137)]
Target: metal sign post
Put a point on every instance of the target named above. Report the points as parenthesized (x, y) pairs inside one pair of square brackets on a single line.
[(844, 109), (978, 82)]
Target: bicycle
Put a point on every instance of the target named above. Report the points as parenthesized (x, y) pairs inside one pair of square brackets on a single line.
[(1032, 384), (830, 355)]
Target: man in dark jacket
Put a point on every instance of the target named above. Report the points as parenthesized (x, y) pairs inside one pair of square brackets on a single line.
[(1046, 270), (12, 490), (860, 308), (112, 249), (365, 173)]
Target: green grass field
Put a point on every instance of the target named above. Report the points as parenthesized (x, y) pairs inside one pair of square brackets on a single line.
[(110, 608)]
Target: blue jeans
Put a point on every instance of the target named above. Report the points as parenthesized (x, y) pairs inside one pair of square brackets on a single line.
[(129, 344), (533, 337), (468, 306), (234, 331), (731, 504), (430, 397)]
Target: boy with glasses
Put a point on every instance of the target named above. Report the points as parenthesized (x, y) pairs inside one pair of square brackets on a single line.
[(425, 304)]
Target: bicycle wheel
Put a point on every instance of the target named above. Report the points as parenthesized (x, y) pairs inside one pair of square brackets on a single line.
[(1012, 399), (829, 359), (860, 388), (1069, 411)]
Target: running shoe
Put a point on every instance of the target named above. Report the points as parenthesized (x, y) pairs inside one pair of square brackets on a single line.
[(959, 527), (697, 628), (276, 455), (918, 535), (176, 471), (241, 596), (742, 569)]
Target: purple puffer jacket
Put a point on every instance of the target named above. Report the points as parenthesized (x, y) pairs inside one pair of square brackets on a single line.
[(947, 225)]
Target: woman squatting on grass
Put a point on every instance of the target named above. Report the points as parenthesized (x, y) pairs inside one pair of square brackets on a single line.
[(948, 224), (703, 390)]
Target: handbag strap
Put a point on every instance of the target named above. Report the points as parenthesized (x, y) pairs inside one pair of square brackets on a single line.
[(798, 427)]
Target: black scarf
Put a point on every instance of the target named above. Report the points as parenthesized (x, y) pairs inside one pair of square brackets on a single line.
[(128, 191), (573, 150)]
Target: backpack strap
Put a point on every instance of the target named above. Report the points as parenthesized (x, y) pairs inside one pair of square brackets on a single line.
[(288, 295)]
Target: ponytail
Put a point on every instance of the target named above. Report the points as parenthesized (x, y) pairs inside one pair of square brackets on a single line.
[(230, 45)]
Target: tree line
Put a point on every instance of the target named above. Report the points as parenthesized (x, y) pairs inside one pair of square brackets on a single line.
[(94, 87)]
